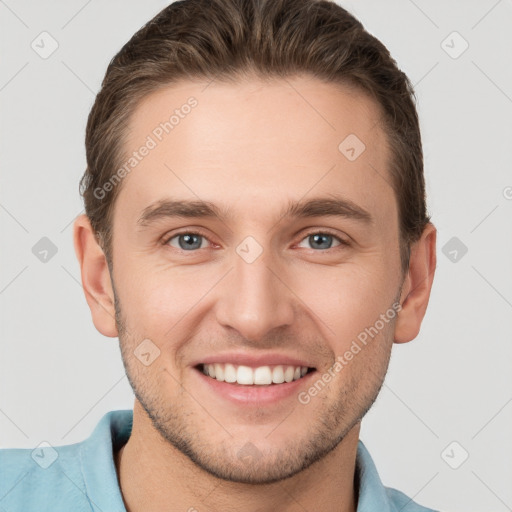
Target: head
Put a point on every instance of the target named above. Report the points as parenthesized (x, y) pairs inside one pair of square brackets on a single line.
[(254, 190)]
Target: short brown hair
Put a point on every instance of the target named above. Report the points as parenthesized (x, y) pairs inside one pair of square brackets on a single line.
[(229, 39)]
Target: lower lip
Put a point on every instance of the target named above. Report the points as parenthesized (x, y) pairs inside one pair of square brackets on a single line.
[(254, 395)]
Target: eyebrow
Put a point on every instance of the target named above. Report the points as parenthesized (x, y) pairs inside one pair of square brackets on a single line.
[(330, 206)]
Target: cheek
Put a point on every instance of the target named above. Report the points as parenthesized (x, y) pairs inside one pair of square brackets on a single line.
[(159, 303), (347, 300)]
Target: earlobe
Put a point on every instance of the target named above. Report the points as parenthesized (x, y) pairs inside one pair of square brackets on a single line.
[(417, 286), (95, 277)]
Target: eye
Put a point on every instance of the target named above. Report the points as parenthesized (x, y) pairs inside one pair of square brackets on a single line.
[(323, 240), (187, 240), (191, 240)]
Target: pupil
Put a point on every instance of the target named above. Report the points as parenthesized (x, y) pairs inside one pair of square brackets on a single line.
[(318, 238), (189, 241)]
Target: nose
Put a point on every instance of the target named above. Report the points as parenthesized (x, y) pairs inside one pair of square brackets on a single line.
[(255, 298)]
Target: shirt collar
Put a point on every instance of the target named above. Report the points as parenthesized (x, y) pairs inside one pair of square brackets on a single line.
[(372, 493), (113, 431), (97, 460)]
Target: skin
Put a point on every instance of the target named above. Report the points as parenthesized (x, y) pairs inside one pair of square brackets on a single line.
[(252, 147)]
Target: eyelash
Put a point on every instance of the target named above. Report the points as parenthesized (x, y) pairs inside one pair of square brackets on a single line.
[(343, 243)]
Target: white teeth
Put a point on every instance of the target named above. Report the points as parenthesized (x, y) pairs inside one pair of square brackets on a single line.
[(229, 373), (278, 375), (261, 376), (219, 372), (245, 375), (288, 373)]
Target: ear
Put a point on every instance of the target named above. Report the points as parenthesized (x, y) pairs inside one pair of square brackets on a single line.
[(95, 277), (417, 285)]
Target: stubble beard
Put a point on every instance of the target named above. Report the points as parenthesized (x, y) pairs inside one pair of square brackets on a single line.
[(176, 425)]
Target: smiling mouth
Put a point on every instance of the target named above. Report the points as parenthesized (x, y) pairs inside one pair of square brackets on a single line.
[(258, 376)]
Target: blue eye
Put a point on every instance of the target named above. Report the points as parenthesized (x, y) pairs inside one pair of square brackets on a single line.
[(322, 240), (190, 240), (187, 241)]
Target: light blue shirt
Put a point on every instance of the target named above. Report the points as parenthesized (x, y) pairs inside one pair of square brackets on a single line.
[(82, 477)]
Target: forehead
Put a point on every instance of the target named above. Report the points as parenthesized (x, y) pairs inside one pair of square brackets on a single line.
[(255, 145)]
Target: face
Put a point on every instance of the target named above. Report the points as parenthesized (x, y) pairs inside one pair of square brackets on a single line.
[(239, 318)]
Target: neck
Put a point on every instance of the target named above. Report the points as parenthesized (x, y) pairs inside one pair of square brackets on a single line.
[(153, 474)]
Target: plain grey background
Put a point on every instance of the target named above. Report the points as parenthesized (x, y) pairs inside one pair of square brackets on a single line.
[(448, 394)]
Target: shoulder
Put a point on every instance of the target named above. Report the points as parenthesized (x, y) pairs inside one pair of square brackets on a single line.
[(373, 495), (400, 502), (42, 479), (80, 477)]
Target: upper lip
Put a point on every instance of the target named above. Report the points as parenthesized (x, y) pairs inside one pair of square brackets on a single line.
[(254, 360)]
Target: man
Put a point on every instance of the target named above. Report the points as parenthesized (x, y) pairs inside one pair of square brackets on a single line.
[(256, 236)]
